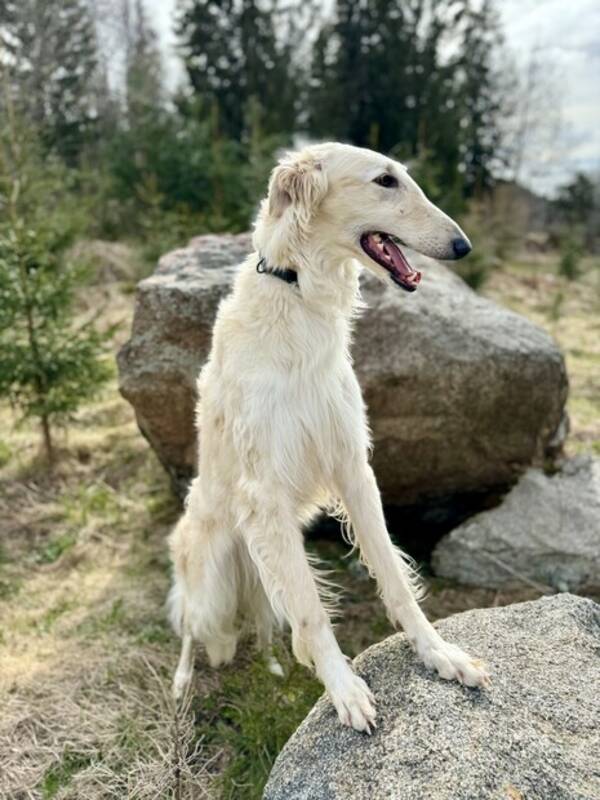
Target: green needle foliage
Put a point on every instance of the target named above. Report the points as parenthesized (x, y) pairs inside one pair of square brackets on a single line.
[(49, 363)]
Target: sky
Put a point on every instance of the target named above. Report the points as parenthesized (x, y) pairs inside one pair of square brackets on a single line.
[(563, 38), (566, 36)]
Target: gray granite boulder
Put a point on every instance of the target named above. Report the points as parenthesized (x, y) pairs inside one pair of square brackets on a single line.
[(462, 394), (546, 530), (534, 735)]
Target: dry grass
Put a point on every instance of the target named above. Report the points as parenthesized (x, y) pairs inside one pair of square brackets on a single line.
[(570, 311), (85, 653), (101, 727)]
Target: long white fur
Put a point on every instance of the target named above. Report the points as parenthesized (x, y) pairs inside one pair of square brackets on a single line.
[(283, 431)]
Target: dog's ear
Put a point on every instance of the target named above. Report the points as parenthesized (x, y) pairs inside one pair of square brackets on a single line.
[(300, 183)]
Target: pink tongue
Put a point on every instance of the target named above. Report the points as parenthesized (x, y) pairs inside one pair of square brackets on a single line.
[(400, 262)]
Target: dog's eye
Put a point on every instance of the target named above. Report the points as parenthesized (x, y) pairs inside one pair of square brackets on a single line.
[(386, 180)]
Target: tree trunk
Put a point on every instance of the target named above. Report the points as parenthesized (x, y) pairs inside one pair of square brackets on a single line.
[(48, 446)]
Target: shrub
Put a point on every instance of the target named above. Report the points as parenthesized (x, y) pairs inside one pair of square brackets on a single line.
[(48, 363), (571, 252)]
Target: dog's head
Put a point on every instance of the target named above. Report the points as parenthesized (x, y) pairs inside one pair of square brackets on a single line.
[(354, 203)]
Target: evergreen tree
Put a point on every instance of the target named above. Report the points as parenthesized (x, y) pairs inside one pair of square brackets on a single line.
[(234, 57), (413, 78), (481, 97), (577, 199), (48, 363), (52, 52), (143, 67), (376, 69), (577, 209)]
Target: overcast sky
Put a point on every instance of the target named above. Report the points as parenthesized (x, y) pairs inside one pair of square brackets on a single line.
[(565, 34)]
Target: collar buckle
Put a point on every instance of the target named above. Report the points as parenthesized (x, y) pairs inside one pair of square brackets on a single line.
[(288, 275)]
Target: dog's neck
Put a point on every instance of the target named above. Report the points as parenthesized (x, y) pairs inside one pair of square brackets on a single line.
[(320, 282), (283, 273), (325, 282)]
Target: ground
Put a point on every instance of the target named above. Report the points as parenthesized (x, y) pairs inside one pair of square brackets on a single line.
[(85, 652)]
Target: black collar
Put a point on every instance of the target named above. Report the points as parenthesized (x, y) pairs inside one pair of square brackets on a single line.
[(287, 275)]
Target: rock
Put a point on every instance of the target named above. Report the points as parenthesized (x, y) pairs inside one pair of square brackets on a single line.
[(462, 394), (533, 736), (170, 340), (546, 530)]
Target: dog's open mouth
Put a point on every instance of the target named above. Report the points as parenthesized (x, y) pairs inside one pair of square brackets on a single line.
[(383, 248)]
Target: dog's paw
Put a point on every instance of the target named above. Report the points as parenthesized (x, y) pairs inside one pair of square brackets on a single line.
[(181, 682), (452, 663), (274, 666), (354, 702)]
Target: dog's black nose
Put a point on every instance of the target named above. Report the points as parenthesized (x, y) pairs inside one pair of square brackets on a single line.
[(461, 247)]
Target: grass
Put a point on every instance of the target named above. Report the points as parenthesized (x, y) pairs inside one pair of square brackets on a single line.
[(250, 732), (56, 547), (86, 656), (60, 775), (570, 311), (85, 652)]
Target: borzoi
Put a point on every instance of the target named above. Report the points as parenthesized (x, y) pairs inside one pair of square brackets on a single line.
[(282, 425)]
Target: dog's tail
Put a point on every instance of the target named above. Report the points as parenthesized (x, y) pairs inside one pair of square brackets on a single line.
[(175, 602)]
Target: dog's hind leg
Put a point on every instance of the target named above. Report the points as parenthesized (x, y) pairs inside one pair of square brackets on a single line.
[(203, 599), (178, 618), (185, 668), (275, 544), (213, 595), (397, 579)]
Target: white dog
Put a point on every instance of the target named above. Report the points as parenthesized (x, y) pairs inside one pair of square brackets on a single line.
[(282, 425)]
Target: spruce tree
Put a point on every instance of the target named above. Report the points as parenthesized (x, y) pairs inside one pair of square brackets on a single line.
[(482, 96), (377, 70), (52, 52), (235, 58), (417, 79), (143, 68), (49, 363)]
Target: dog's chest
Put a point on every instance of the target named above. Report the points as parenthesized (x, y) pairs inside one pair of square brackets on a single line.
[(290, 397), (324, 412)]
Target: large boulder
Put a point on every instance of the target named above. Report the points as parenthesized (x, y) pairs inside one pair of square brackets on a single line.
[(462, 394), (533, 736), (546, 530)]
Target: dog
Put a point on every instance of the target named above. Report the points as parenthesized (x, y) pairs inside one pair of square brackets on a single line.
[(282, 426)]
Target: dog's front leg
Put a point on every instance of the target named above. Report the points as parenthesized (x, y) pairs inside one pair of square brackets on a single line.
[(396, 578), (275, 545)]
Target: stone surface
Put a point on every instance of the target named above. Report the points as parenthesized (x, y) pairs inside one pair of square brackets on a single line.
[(462, 394), (547, 530), (533, 736)]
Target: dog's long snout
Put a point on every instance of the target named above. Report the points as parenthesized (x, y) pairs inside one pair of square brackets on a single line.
[(461, 247)]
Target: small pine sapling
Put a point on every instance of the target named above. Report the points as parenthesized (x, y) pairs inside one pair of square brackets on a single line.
[(49, 363)]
